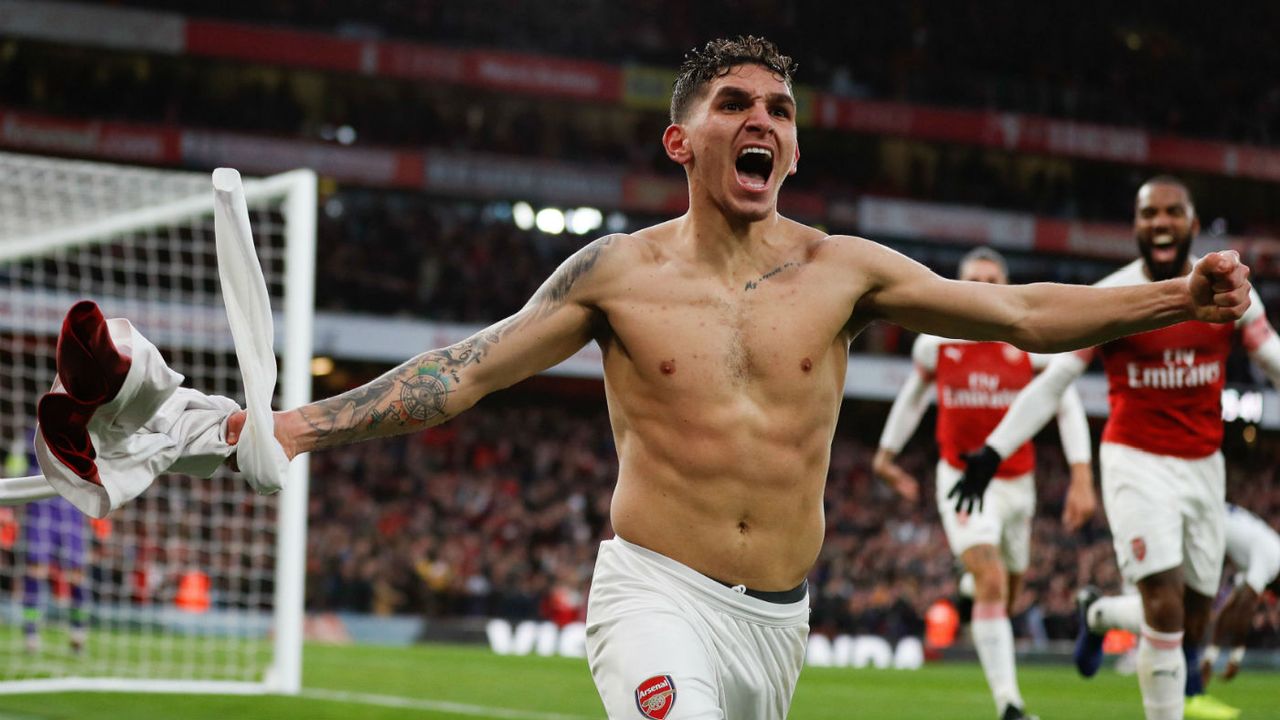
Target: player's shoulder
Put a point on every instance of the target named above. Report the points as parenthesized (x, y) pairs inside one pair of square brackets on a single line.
[(845, 246), (859, 257), (924, 351), (617, 251), (590, 272)]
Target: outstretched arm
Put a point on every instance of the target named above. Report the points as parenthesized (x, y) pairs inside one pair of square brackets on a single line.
[(1037, 403), (438, 384), (1043, 317)]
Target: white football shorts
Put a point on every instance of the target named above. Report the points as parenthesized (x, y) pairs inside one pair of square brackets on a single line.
[(1004, 520), (665, 642), (1165, 512)]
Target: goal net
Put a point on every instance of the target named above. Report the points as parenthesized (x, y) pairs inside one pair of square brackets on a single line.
[(197, 584)]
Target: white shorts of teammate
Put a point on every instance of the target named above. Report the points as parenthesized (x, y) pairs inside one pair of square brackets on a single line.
[(1165, 512), (666, 642), (1004, 520)]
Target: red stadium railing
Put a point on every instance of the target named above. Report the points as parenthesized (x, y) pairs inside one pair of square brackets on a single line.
[(483, 175), (632, 85)]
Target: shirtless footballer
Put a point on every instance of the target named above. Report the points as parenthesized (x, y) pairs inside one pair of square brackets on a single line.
[(1163, 479), (725, 335)]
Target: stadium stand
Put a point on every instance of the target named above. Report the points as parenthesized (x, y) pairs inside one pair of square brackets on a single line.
[(486, 515)]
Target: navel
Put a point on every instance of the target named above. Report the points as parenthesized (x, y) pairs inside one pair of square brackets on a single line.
[(806, 365), (668, 367)]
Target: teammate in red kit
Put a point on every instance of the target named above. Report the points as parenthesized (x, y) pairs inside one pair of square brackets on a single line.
[(1163, 479), (975, 383)]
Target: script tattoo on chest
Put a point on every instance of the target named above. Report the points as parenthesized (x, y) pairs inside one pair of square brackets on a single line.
[(753, 284)]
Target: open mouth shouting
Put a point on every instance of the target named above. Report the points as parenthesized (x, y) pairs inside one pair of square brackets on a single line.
[(1164, 248), (754, 165)]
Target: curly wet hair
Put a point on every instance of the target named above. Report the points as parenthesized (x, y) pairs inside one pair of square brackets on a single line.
[(716, 59)]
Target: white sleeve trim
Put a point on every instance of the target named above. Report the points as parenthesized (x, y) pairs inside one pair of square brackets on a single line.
[(1037, 402), (905, 415), (1255, 311), (1267, 357), (1073, 428), (924, 352)]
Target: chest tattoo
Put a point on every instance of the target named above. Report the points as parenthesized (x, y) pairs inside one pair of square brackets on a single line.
[(753, 284)]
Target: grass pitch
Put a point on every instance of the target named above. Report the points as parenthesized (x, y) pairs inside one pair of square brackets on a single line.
[(432, 681)]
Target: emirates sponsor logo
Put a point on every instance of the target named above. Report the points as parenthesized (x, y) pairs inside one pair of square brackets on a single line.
[(984, 391), (1179, 370)]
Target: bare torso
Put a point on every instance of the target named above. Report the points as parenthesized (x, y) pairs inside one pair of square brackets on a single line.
[(723, 389)]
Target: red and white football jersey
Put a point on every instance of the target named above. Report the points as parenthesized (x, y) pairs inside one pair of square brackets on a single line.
[(976, 382), (1165, 386)]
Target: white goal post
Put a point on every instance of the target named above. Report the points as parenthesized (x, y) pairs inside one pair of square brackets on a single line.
[(197, 585)]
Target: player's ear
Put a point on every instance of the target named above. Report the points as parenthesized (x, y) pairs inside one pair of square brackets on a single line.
[(675, 140), (1195, 225), (795, 162)]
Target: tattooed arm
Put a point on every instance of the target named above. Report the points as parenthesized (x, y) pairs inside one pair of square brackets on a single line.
[(438, 384)]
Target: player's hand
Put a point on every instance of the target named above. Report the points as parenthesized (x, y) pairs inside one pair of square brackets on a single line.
[(235, 426), (1219, 285), (1082, 501), (979, 467), (892, 473)]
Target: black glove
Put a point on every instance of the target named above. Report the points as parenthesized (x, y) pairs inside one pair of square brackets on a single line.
[(979, 467)]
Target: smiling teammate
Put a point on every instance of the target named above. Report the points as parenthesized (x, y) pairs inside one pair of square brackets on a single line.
[(1163, 479)]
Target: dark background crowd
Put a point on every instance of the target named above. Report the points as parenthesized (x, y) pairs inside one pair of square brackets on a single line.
[(498, 513), (1178, 69)]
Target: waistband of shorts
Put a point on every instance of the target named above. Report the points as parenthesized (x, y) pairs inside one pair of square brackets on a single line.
[(777, 597), (741, 602), (1112, 446)]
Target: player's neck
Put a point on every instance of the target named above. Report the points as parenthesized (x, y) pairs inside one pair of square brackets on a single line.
[(1185, 271), (714, 231)]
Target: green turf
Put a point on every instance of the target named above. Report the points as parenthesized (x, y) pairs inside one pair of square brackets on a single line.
[(137, 653), (476, 678)]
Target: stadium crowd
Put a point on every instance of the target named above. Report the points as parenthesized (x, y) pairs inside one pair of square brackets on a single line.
[(201, 93), (1183, 61), (498, 513)]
